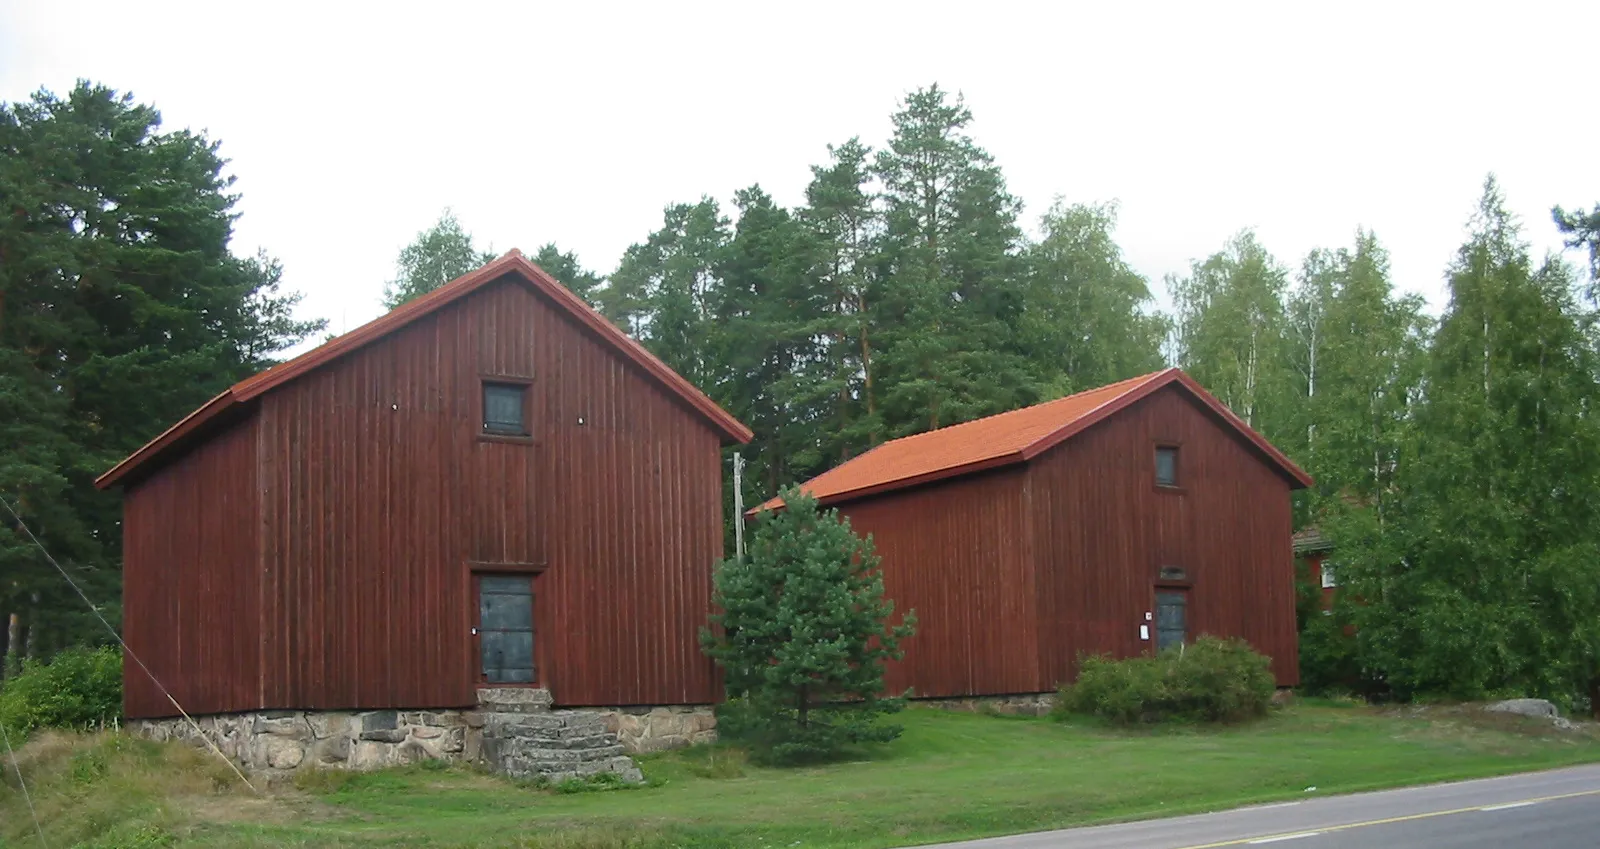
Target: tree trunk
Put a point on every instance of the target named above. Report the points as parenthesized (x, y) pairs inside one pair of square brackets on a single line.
[(803, 705), (30, 647), (13, 640), (1594, 696), (866, 364)]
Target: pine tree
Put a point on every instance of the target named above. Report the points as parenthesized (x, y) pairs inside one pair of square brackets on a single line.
[(954, 284), (845, 228), (121, 310), (1088, 319), (664, 290), (766, 334), (436, 256), (1583, 231), (802, 632), (569, 272)]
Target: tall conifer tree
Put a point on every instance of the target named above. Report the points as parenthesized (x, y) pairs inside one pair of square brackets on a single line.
[(121, 310), (954, 286)]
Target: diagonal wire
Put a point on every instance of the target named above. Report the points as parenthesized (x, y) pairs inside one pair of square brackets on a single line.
[(29, 799), (127, 652)]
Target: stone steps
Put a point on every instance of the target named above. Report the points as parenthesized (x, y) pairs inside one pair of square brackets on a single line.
[(524, 738)]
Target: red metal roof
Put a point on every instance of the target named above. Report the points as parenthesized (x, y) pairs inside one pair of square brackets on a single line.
[(512, 264), (1013, 437)]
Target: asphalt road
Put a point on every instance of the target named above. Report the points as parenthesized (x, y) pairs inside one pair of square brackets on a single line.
[(1559, 809)]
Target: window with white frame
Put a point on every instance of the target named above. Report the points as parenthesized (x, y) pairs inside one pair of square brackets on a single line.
[(1328, 581)]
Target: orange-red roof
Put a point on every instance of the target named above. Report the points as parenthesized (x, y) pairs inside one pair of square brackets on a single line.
[(512, 264), (1014, 437)]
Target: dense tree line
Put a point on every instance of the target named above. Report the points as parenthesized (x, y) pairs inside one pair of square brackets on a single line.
[(121, 309), (1456, 457)]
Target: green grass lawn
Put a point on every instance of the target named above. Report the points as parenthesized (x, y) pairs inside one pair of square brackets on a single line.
[(951, 776)]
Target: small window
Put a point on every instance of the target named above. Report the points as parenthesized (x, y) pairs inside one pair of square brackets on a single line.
[(1174, 573), (1328, 581), (503, 406), (1166, 465)]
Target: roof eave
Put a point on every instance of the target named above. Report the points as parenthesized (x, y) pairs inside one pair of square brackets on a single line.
[(168, 438), (834, 498), (730, 430)]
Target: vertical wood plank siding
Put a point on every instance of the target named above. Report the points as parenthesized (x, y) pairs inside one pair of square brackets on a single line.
[(956, 553), (1015, 573), (189, 606), (1103, 532), (376, 492)]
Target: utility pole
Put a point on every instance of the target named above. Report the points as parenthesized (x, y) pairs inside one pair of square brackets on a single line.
[(738, 507)]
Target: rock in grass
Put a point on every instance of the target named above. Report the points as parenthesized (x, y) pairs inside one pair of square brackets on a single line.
[(1537, 708)]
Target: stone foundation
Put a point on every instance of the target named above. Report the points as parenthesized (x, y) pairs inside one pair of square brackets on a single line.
[(1016, 704), (514, 731), (277, 741), (656, 729)]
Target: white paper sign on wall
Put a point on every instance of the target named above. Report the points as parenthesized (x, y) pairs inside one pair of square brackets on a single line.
[(1144, 632)]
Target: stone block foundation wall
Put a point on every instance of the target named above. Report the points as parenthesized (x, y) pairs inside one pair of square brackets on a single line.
[(1017, 704), (276, 741), (514, 731), (656, 729)]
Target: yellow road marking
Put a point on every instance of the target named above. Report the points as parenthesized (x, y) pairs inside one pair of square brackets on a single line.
[(1408, 818)]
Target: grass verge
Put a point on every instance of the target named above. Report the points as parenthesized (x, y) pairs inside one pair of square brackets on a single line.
[(952, 776)]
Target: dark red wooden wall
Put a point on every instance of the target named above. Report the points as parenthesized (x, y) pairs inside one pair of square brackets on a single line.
[(190, 599), (1014, 573), (958, 554), (376, 493), (1104, 530)]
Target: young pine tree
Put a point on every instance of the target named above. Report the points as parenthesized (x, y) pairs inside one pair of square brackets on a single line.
[(802, 632)]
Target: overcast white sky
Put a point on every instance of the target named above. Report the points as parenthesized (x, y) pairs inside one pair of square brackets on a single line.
[(349, 130)]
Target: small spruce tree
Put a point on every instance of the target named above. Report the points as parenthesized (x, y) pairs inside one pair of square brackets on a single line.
[(802, 632)]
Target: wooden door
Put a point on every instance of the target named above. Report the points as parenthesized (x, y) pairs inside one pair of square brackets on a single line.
[(1172, 618), (504, 634)]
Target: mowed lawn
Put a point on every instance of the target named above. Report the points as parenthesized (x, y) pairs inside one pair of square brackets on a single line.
[(951, 776)]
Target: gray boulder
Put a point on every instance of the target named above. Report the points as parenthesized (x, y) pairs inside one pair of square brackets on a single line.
[(1537, 708)]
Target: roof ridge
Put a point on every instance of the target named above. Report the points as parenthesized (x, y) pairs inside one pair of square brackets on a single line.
[(1079, 394)]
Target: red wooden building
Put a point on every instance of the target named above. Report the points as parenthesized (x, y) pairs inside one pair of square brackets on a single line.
[(1311, 549), (490, 484), (1116, 520)]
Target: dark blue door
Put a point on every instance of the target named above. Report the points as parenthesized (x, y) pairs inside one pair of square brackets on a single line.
[(1172, 619), (505, 629)]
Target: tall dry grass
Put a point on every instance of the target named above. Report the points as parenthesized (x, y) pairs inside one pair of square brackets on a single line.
[(109, 788)]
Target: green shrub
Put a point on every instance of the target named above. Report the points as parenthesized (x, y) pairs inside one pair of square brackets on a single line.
[(78, 688), (1211, 680)]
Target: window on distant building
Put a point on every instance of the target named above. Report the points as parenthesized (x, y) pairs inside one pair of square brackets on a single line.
[(1166, 465), (504, 405), (1328, 581)]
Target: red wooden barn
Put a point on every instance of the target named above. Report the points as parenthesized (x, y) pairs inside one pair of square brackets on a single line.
[(1311, 549), (488, 485), (1115, 520)]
